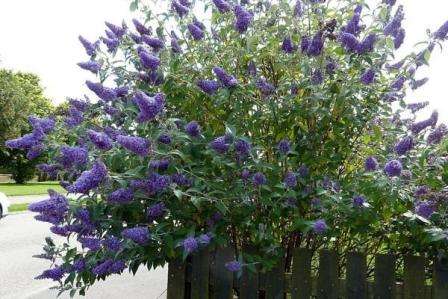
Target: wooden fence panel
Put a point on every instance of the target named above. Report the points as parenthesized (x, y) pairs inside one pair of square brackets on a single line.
[(328, 277), (249, 280), (384, 285), (176, 280), (222, 278), (414, 277), (301, 283), (275, 281), (356, 281), (200, 275), (440, 280)]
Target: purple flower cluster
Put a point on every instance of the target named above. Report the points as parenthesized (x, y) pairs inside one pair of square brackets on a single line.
[(51, 210), (317, 77), (225, 79), (421, 191), (100, 140), (404, 145), (243, 18), (112, 243), (393, 28), (393, 168), (371, 164), (160, 165), (89, 179), (368, 77), (121, 196), (156, 211), (208, 86), (265, 87), (353, 26), (414, 107), (190, 245), (155, 43), (222, 5), (89, 47), (196, 32), (104, 93), (358, 201), (137, 145), (139, 235), (108, 267), (72, 156), (284, 146), (442, 32), (55, 274), (220, 145), (91, 243), (425, 209), (290, 179), (259, 179), (288, 46), (149, 107), (90, 65), (233, 266), (148, 60), (430, 122), (180, 9), (242, 147), (415, 84), (436, 136), (298, 9), (142, 29), (313, 47), (75, 117), (193, 129), (320, 226)]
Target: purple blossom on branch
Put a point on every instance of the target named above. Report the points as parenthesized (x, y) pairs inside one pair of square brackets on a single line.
[(393, 168), (139, 235), (225, 79), (222, 5), (371, 164), (89, 179), (195, 31), (320, 226), (193, 129), (243, 18), (100, 140), (90, 65), (190, 245), (135, 144), (149, 107), (368, 77), (233, 266), (121, 196), (404, 145)]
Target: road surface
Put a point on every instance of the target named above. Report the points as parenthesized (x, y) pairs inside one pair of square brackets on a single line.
[(21, 237)]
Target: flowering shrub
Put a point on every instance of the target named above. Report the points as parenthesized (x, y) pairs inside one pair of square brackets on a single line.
[(270, 124)]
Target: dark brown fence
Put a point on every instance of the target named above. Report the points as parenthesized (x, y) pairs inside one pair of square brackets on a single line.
[(205, 276)]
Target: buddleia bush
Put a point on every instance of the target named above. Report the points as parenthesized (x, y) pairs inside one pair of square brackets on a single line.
[(266, 124)]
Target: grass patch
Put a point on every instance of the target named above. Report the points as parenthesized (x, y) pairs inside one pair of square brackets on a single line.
[(11, 189), (18, 207)]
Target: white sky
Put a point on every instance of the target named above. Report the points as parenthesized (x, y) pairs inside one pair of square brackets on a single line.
[(42, 37)]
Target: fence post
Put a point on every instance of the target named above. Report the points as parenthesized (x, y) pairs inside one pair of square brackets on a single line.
[(301, 287), (328, 278), (275, 281), (384, 285), (176, 279), (200, 274), (440, 279), (356, 278), (222, 278), (414, 277)]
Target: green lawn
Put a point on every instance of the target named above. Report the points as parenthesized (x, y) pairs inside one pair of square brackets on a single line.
[(18, 207), (11, 189)]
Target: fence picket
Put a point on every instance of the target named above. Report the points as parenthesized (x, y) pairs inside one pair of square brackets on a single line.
[(301, 286), (356, 282), (200, 275), (414, 277), (222, 278), (176, 280), (440, 280), (328, 278), (275, 281), (384, 285), (249, 280)]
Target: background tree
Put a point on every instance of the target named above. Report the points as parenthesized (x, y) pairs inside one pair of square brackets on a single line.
[(20, 95)]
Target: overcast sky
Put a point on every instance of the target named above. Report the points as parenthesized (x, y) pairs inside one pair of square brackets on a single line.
[(41, 37)]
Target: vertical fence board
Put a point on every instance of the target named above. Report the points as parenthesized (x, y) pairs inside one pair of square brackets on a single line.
[(384, 285), (301, 286), (440, 280), (328, 277), (176, 280), (249, 280), (356, 280), (200, 275), (275, 281), (414, 277), (222, 278)]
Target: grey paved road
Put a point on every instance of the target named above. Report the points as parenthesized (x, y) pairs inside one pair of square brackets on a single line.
[(21, 237)]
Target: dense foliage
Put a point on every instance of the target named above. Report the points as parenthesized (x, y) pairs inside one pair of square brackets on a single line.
[(270, 125), (20, 95)]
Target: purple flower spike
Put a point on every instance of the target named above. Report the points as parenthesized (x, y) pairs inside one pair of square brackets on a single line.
[(195, 31), (89, 179), (149, 107), (233, 266), (259, 179), (320, 227), (288, 46), (55, 274), (371, 164), (222, 5), (190, 245), (139, 235), (208, 86), (100, 140), (243, 18), (225, 79), (155, 43), (393, 168), (442, 32), (142, 29), (284, 146), (90, 48), (193, 129), (404, 145), (368, 77), (148, 60), (137, 145), (121, 196), (91, 65)]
